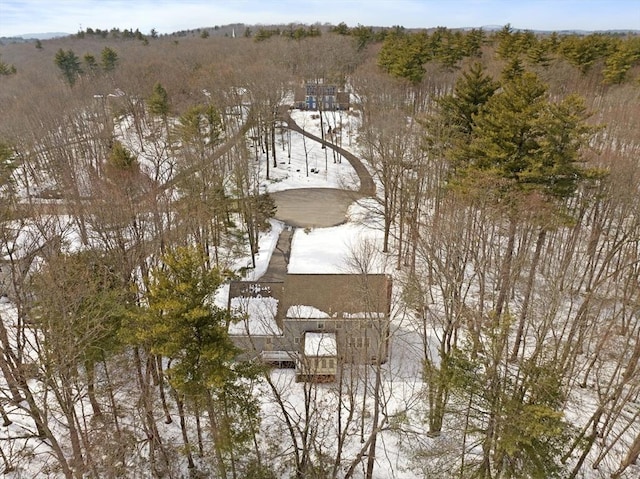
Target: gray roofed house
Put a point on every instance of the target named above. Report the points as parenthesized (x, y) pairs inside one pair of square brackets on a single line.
[(352, 309)]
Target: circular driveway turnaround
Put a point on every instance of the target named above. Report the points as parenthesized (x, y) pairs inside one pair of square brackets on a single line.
[(313, 207)]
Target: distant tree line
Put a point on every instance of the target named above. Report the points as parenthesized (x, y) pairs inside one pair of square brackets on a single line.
[(126, 34), (405, 54), (72, 67)]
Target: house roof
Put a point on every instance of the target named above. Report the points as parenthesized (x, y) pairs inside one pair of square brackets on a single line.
[(307, 296), (259, 316), (338, 295), (320, 344), (305, 312)]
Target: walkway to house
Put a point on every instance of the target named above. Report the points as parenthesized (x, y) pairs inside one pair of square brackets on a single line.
[(312, 207), (277, 268)]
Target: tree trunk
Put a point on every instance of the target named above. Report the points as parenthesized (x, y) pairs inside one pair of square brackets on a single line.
[(505, 270), (630, 459), (371, 456), (217, 437), (151, 428), (527, 294), (89, 367), (163, 397), (266, 145), (199, 429), (273, 143), (183, 429)]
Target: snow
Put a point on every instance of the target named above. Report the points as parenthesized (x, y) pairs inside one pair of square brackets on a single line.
[(338, 250), (310, 165), (320, 344), (266, 245), (299, 311), (319, 250), (328, 250), (259, 317), (372, 315)]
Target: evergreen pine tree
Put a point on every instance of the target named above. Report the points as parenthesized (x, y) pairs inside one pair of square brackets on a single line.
[(527, 142), (158, 102), (471, 92), (121, 159), (91, 63), (620, 61), (6, 69), (181, 323), (69, 64), (109, 59)]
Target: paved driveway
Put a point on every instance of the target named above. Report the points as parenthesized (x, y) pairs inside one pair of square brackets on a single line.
[(313, 207)]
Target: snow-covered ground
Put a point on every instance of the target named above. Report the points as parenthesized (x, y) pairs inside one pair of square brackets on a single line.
[(332, 250), (321, 250), (306, 164)]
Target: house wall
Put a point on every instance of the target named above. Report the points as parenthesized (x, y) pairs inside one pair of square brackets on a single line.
[(358, 340), (312, 95), (344, 298), (318, 366)]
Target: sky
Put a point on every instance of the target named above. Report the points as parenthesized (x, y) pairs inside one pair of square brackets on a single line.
[(18, 17)]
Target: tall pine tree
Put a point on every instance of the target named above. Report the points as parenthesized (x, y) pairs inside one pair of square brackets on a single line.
[(69, 64)]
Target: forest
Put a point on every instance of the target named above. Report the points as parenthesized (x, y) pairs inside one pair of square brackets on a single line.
[(132, 181)]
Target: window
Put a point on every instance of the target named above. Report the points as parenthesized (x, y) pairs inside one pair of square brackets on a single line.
[(320, 325), (359, 342), (324, 363), (269, 341), (296, 340)]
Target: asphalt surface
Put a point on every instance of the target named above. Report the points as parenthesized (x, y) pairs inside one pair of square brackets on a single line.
[(279, 261), (320, 207), (367, 186), (313, 207)]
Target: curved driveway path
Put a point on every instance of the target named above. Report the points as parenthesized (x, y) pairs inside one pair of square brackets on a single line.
[(320, 207), (367, 186)]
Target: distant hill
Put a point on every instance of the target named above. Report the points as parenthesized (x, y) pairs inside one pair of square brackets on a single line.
[(495, 28), (34, 36)]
